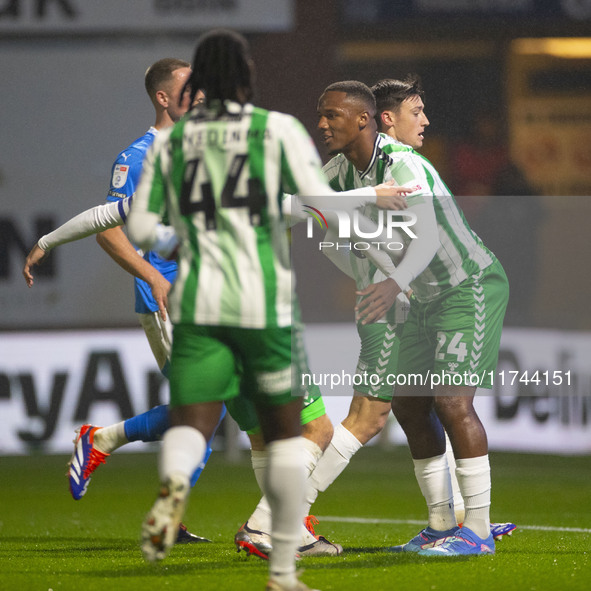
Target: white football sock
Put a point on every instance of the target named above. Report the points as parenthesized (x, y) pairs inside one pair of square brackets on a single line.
[(435, 483), (284, 487), (108, 439), (261, 517), (474, 479), (182, 451), (259, 461), (458, 499), (343, 446), (312, 455)]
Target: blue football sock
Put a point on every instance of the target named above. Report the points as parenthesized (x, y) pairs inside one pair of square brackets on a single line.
[(149, 426)]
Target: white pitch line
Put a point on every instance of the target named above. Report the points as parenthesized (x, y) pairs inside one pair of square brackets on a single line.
[(573, 530)]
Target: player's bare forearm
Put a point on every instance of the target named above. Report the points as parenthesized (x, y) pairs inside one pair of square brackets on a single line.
[(378, 299), (160, 287), (115, 243), (35, 257), (391, 197)]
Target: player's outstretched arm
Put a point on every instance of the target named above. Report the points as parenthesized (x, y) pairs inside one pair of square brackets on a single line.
[(90, 221), (35, 257), (388, 197)]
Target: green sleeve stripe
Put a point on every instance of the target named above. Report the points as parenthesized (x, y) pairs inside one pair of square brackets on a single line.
[(289, 183), (440, 216), (335, 185), (427, 165), (288, 180), (381, 171), (156, 197), (350, 178), (256, 153), (178, 161), (437, 266)]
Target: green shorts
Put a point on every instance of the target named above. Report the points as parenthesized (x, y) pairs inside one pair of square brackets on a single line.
[(243, 412), (313, 403), (378, 360), (207, 360), (454, 340)]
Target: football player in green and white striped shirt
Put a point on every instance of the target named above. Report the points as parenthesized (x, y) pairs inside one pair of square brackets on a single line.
[(218, 176), (401, 115), (451, 340), (446, 257)]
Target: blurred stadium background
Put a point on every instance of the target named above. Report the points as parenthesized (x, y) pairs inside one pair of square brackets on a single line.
[(508, 87)]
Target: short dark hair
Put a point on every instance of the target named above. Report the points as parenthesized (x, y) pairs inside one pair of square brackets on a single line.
[(357, 90), (160, 73), (390, 93), (222, 64)]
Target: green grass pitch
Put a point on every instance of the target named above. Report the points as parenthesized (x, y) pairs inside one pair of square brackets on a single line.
[(50, 542)]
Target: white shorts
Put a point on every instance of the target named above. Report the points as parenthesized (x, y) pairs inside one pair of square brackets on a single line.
[(159, 333)]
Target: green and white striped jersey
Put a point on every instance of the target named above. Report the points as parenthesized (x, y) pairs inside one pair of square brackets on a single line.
[(219, 179), (461, 253)]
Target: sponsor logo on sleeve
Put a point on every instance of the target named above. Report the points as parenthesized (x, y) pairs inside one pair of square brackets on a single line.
[(120, 175)]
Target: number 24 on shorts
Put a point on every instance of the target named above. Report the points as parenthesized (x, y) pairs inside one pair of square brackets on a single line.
[(455, 347)]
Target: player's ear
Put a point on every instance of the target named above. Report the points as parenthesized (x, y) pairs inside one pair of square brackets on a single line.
[(387, 118), (162, 98), (364, 118)]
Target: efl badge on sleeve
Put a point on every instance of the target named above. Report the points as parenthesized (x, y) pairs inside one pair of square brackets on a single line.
[(119, 175)]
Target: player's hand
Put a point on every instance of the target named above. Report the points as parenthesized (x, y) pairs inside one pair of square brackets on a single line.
[(160, 287), (390, 196), (35, 257), (378, 299)]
